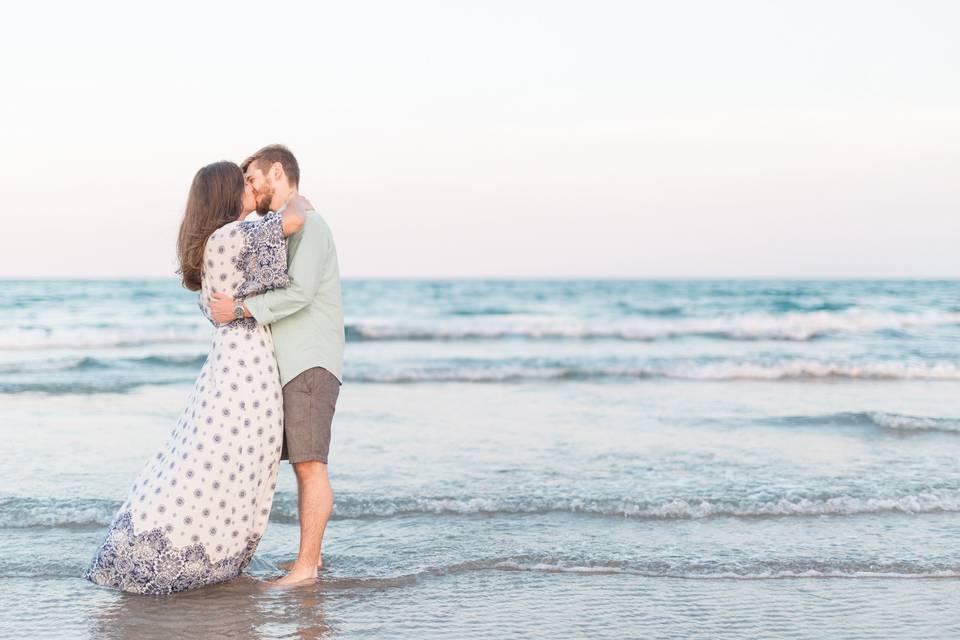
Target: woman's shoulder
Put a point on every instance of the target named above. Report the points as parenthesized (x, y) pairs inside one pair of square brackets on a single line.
[(232, 236), (224, 236), (228, 230)]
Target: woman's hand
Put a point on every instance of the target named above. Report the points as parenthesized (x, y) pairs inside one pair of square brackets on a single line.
[(299, 200), (295, 214)]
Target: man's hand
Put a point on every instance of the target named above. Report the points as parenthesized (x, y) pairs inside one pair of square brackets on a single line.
[(221, 308)]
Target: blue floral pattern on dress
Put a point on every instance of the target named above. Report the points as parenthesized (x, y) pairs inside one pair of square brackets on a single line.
[(149, 563), (263, 258)]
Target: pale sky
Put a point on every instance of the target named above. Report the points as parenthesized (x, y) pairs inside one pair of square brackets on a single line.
[(496, 139)]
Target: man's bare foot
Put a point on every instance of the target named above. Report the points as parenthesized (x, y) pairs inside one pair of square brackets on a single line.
[(296, 577), (288, 566)]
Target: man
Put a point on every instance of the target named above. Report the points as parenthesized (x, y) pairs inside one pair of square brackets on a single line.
[(306, 319)]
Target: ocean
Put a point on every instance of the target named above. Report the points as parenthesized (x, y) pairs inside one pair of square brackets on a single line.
[(518, 458)]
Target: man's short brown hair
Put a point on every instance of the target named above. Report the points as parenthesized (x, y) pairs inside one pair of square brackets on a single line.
[(275, 153)]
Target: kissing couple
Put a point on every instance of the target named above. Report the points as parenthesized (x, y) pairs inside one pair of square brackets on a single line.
[(266, 268)]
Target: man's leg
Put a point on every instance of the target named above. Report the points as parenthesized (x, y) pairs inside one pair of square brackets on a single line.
[(309, 402), (315, 502), (315, 498)]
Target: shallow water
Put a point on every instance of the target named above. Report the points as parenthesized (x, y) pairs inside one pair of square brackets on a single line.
[(651, 459)]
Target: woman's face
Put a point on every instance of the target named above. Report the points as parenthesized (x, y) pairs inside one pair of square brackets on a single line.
[(249, 199)]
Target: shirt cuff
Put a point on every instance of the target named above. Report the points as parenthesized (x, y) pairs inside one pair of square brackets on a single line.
[(259, 310)]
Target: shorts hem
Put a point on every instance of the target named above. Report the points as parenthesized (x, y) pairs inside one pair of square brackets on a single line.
[(307, 458)]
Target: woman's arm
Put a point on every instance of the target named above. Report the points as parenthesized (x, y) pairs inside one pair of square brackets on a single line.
[(292, 220), (294, 214)]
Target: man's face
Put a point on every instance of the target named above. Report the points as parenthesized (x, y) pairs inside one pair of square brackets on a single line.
[(263, 189), (249, 199)]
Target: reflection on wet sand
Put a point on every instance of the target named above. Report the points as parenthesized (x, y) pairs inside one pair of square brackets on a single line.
[(240, 609)]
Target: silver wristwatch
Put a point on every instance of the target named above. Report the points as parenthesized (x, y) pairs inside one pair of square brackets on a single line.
[(238, 309)]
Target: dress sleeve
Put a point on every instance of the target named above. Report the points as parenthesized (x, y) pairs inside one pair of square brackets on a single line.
[(262, 260)]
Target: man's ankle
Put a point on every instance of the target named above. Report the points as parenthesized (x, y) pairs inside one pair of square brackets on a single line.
[(305, 565)]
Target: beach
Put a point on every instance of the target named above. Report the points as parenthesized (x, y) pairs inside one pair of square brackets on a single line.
[(523, 458)]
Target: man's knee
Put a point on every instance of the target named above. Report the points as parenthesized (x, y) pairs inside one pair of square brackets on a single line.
[(309, 469)]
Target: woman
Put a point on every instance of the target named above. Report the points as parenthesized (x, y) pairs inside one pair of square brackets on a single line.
[(198, 508)]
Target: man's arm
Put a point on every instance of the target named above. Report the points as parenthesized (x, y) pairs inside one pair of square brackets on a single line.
[(305, 272)]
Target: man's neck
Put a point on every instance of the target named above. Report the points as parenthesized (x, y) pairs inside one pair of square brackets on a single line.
[(282, 197)]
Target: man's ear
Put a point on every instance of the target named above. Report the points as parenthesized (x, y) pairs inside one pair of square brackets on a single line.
[(277, 170)]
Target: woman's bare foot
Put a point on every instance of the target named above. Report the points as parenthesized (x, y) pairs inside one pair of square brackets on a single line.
[(288, 566)]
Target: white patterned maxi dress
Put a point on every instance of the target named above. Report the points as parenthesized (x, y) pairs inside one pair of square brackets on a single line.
[(198, 508)]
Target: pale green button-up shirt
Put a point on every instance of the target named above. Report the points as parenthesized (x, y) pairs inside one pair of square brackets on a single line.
[(306, 316)]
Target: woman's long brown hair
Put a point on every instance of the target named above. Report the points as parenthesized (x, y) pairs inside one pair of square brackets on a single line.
[(216, 198)]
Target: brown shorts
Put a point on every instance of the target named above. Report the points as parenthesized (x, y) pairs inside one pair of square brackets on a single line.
[(309, 401)]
